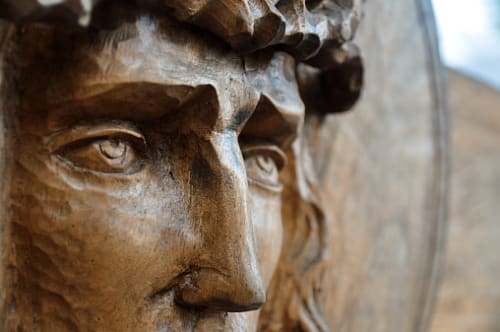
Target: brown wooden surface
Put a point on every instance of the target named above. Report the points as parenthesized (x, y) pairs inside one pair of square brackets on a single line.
[(3, 253), (469, 300), (142, 186)]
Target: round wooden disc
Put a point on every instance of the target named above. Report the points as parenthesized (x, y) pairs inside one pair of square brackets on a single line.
[(383, 170)]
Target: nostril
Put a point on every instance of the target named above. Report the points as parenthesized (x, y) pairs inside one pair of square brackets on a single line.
[(171, 288), (210, 289), (311, 4)]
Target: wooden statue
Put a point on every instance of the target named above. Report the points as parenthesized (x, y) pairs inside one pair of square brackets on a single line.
[(159, 162)]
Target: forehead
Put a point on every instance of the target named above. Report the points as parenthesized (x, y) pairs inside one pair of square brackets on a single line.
[(150, 66)]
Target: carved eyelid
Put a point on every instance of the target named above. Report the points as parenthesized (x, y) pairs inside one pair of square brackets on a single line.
[(268, 149), (61, 139)]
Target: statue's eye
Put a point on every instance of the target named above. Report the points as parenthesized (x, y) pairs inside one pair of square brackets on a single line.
[(107, 155), (263, 163), (107, 151)]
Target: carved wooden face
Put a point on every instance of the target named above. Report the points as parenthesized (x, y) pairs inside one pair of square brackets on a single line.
[(145, 193)]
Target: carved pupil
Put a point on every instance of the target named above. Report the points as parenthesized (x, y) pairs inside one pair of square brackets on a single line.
[(113, 148), (262, 169), (266, 164)]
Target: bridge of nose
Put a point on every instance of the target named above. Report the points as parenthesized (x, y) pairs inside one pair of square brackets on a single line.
[(224, 274)]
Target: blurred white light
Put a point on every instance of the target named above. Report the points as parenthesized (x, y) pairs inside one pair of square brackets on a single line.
[(470, 42)]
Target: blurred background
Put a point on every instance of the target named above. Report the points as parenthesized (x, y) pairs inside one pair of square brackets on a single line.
[(470, 37), (470, 44)]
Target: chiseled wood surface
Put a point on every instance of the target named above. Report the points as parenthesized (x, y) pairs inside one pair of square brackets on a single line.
[(142, 188), (469, 300), (381, 172), (368, 186)]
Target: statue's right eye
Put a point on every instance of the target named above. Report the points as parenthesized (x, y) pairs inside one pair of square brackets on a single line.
[(107, 155), (104, 150)]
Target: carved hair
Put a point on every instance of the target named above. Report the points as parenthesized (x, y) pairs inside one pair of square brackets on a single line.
[(302, 27), (295, 295)]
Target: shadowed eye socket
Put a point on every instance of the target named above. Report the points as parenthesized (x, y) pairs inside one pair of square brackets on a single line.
[(263, 163), (104, 148)]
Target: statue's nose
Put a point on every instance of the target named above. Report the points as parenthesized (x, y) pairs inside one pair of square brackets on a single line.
[(224, 275)]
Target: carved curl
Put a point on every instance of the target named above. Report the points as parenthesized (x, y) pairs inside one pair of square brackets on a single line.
[(302, 263), (301, 27)]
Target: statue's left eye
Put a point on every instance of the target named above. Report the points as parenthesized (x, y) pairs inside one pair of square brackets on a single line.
[(263, 163), (107, 155)]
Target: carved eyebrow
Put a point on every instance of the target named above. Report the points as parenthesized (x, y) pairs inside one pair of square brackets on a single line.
[(134, 101), (58, 140), (280, 110), (272, 124)]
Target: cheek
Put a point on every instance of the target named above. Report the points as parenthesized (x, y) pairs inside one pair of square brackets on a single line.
[(265, 210), (87, 234)]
